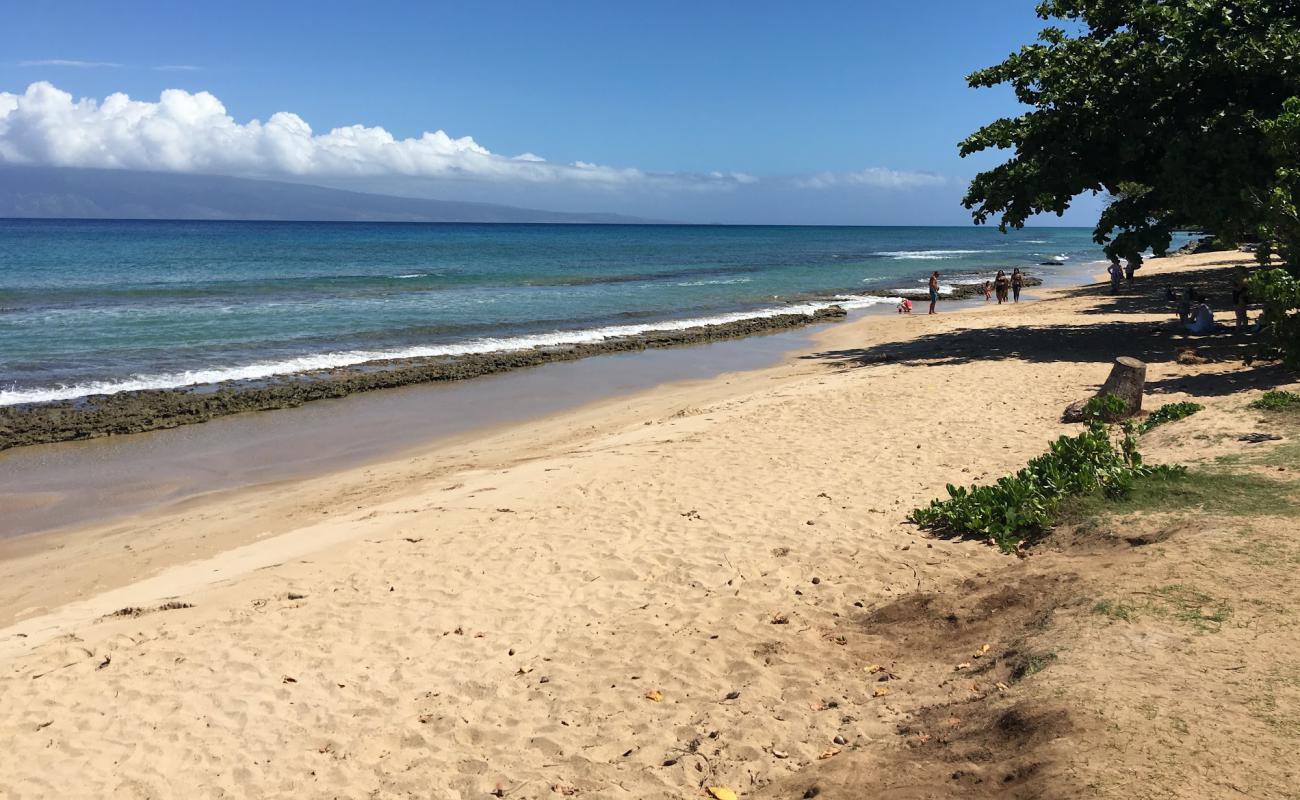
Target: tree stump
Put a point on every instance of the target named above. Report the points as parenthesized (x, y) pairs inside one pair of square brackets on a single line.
[(1127, 381)]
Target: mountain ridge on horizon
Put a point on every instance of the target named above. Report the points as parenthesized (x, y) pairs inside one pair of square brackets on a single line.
[(39, 192)]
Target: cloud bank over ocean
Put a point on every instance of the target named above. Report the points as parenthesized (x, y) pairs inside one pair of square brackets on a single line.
[(194, 133)]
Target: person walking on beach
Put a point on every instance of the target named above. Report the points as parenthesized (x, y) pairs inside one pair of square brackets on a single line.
[(1017, 282), (1116, 272), (934, 290), (1000, 284), (988, 291)]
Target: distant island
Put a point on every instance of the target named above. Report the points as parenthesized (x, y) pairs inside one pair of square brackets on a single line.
[(70, 193)]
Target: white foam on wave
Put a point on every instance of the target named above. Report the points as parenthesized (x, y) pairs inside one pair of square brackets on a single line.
[(719, 282), (944, 288), (928, 255), (410, 275), (346, 358)]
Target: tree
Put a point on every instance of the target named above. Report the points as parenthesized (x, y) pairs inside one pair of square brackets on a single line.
[(1176, 109)]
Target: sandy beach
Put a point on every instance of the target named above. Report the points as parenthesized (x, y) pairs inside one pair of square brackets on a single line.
[(678, 589)]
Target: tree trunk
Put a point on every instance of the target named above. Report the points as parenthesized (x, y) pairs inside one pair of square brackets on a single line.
[(1127, 381)]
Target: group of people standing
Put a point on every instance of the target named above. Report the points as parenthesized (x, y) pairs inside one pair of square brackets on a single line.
[(1002, 284)]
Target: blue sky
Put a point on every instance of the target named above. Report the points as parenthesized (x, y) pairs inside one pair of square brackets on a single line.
[(845, 113)]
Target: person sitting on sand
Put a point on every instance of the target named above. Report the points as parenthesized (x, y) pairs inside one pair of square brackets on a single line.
[(1001, 284), (988, 291), (1202, 320), (905, 306), (934, 290), (1017, 282)]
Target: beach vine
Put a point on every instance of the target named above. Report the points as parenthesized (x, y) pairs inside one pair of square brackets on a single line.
[(1020, 508)]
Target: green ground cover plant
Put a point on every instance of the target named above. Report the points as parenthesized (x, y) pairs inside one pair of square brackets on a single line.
[(1020, 508), (1277, 401), (1168, 413)]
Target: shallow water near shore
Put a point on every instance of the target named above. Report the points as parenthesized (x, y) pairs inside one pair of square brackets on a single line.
[(48, 487)]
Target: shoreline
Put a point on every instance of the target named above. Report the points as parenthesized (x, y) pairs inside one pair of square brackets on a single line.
[(143, 410)]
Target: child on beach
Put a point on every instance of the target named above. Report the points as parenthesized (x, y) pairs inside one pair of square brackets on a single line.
[(905, 307), (988, 291)]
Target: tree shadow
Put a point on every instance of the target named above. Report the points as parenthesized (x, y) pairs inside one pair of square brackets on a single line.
[(1149, 294), (1152, 342)]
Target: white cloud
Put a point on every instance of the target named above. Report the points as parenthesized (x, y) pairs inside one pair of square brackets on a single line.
[(178, 68), (184, 132), (873, 177), (67, 62), (193, 132)]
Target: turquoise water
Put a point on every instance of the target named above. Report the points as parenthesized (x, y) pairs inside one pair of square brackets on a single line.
[(101, 306)]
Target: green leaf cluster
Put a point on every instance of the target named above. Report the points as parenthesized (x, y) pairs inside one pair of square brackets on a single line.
[(1024, 505), (1276, 401), (1104, 408), (1184, 113), (1278, 291), (1168, 413)]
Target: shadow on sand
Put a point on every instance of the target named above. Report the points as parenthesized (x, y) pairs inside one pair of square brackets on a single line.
[(1151, 341)]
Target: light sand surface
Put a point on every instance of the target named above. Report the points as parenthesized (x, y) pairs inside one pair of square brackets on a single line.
[(490, 615)]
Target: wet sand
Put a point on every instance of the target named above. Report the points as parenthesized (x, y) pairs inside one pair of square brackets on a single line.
[(50, 486)]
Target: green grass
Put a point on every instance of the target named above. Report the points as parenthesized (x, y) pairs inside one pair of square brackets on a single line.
[(1203, 491), (1118, 610), (1190, 605), (1271, 454), (1277, 401), (1267, 553), (1282, 716), (1177, 601)]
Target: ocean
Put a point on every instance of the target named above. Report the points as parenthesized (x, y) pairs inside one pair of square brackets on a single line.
[(95, 307)]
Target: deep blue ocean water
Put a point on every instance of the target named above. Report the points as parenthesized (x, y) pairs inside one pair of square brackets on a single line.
[(100, 306)]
